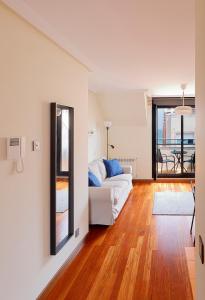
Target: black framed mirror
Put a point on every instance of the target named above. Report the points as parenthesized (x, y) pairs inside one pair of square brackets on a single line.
[(61, 176)]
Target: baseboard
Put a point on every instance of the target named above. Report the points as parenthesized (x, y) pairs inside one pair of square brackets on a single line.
[(62, 270), (164, 180), (142, 180), (179, 180)]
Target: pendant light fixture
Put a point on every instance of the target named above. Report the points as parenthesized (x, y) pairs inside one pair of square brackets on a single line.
[(183, 109)]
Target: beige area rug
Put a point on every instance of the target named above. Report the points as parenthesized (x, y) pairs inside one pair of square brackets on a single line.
[(173, 203)]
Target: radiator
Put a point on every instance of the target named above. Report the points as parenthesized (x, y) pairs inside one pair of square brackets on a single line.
[(131, 161)]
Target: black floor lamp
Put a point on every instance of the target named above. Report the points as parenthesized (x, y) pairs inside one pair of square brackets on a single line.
[(108, 124)]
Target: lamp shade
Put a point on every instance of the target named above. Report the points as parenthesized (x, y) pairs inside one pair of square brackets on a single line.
[(183, 110), (107, 124)]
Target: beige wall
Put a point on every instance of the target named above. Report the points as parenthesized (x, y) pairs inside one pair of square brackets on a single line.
[(200, 136), (131, 132), (34, 72), (96, 141), (133, 142)]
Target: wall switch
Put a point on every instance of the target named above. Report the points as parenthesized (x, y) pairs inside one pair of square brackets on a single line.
[(77, 232), (36, 145), (201, 249)]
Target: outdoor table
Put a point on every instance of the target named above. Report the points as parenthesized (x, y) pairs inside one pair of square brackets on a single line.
[(178, 154)]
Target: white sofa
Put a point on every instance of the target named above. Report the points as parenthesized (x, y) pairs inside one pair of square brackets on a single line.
[(106, 202)]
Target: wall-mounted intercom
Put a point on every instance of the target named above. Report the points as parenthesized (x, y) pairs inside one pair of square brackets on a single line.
[(16, 151)]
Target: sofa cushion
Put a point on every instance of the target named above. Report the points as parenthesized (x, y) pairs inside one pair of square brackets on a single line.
[(118, 188), (102, 169), (93, 180), (115, 183), (94, 168), (113, 167), (124, 177), (117, 193)]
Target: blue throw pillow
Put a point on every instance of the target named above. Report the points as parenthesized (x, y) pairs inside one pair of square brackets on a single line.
[(113, 167), (93, 180)]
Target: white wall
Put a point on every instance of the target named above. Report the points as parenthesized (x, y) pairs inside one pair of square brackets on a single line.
[(34, 72), (96, 141), (131, 133), (200, 140)]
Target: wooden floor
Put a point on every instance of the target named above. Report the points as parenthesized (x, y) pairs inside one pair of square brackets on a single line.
[(190, 256), (140, 257)]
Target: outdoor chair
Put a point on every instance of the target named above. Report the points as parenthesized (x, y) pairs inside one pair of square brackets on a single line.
[(190, 159), (165, 159)]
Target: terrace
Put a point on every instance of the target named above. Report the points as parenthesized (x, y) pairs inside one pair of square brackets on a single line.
[(175, 156)]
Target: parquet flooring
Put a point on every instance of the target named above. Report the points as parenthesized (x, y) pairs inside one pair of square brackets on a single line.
[(140, 257)]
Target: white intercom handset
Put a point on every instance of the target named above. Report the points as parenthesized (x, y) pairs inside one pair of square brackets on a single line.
[(16, 152)]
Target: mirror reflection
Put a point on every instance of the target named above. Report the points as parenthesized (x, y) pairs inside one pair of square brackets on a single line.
[(62, 194), (63, 141), (61, 177), (62, 180)]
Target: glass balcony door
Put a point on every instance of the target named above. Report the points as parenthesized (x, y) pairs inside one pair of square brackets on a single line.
[(175, 144)]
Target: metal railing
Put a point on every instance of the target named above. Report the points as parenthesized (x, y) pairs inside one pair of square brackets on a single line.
[(162, 141)]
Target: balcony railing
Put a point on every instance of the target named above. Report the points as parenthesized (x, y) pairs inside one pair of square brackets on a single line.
[(162, 141)]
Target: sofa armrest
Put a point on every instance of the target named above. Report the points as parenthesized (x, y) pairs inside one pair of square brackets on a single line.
[(101, 201), (127, 169), (102, 194)]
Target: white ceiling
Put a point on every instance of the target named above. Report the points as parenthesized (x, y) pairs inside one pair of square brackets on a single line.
[(127, 44)]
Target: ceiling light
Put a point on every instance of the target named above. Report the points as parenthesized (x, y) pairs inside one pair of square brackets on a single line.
[(183, 109)]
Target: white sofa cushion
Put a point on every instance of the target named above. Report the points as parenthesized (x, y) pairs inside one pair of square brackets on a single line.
[(102, 169), (118, 188), (94, 168), (117, 194), (115, 183), (121, 177)]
